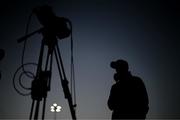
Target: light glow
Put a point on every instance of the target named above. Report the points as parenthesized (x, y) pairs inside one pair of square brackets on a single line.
[(55, 108)]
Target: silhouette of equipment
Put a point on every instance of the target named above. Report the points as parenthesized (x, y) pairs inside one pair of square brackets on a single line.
[(53, 27), (2, 54)]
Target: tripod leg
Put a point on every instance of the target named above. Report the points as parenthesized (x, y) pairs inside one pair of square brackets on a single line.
[(49, 55), (64, 82), (57, 52), (44, 107), (41, 83), (37, 110), (32, 107), (39, 67)]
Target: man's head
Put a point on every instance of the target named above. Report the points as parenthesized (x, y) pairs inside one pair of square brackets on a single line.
[(121, 66), (122, 69)]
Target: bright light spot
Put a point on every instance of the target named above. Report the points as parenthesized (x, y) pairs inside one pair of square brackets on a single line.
[(58, 110), (55, 104), (59, 107), (52, 110)]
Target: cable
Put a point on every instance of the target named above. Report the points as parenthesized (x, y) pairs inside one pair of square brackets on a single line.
[(24, 47), (14, 77), (24, 72), (20, 81)]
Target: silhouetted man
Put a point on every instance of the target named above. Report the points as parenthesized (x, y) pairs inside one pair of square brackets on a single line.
[(128, 97)]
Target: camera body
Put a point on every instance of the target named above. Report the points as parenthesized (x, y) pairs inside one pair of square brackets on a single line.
[(53, 26)]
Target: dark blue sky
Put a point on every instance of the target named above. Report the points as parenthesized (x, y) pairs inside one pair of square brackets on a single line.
[(145, 33)]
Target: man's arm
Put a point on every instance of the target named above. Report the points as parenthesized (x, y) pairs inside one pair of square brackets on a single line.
[(111, 103)]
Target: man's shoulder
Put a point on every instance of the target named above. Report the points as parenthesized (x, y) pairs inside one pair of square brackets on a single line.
[(137, 80)]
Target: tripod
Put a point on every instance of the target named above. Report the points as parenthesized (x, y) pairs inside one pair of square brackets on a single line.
[(41, 83)]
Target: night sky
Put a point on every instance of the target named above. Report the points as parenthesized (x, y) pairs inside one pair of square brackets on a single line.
[(145, 33)]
